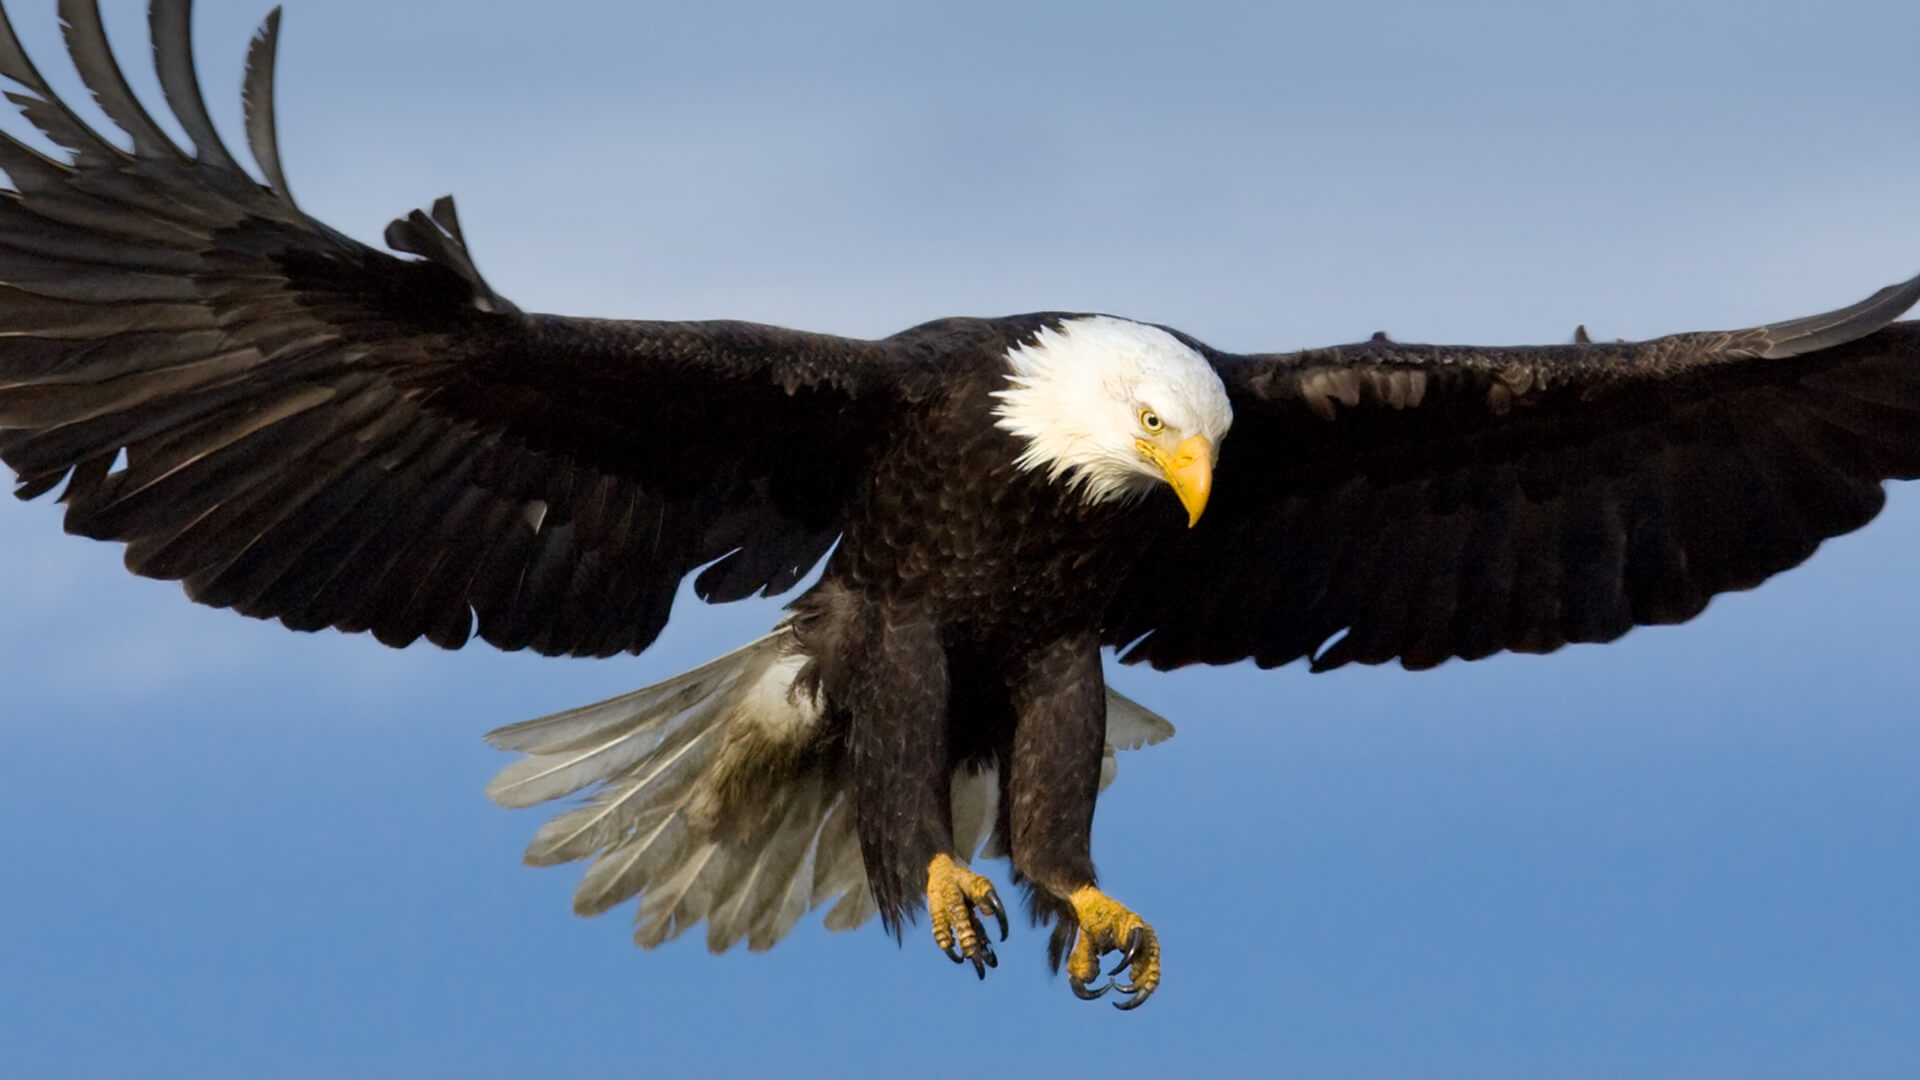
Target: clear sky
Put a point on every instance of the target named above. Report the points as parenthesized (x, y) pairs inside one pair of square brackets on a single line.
[(232, 850)]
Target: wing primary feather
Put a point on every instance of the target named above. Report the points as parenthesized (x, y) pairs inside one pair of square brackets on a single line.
[(1795, 337), (221, 474), (93, 58), (81, 233), (45, 109), (256, 96), (28, 170), (221, 532), (171, 24), (31, 488)]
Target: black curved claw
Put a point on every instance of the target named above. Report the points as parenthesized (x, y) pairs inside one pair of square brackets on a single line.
[(979, 969), (1133, 1002), (1080, 989), (1135, 942), (986, 953), (999, 911), (953, 954)]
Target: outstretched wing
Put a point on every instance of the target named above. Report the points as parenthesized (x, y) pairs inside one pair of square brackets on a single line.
[(303, 428), (1382, 501)]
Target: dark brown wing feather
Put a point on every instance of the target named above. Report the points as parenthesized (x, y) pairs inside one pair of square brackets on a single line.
[(1436, 502), (329, 435)]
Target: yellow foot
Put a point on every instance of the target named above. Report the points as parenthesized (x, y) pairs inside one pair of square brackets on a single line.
[(1106, 926), (956, 897)]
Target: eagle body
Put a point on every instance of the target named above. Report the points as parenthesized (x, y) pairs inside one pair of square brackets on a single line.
[(967, 593), (304, 428), (946, 522)]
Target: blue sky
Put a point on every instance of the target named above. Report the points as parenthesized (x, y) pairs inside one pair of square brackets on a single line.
[(231, 850)]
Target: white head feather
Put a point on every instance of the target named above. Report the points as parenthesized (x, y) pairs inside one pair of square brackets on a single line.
[(1076, 396)]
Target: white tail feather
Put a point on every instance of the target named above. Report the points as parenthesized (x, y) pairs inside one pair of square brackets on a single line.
[(1131, 725), (976, 809), (709, 808), (569, 750)]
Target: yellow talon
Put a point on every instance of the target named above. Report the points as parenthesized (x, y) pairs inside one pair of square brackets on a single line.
[(1106, 926), (955, 897)]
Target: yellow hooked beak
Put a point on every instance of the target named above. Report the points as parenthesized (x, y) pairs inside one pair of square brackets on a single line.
[(1189, 471)]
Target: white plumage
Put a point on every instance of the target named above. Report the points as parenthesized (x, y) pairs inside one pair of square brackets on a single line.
[(1076, 396), (705, 806)]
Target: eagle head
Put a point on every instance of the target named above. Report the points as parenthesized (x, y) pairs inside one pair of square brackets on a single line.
[(1112, 407)]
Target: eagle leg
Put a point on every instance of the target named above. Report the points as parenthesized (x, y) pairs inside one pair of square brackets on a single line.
[(956, 898), (1059, 743), (1107, 926)]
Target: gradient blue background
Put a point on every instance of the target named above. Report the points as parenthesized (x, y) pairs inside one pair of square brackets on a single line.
[(230, 850)]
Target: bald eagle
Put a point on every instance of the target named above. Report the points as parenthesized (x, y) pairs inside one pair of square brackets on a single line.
[(303, 428)]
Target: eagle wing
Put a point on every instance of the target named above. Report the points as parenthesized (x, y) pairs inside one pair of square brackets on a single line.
[(301, 427), (1384, 501)]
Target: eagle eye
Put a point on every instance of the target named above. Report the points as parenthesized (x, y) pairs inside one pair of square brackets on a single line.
[(1151, 421)]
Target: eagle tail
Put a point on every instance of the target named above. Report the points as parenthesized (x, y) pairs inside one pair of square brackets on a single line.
[(716, 797), (712, 801)]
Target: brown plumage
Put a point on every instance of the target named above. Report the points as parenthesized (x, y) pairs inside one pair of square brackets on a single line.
[(328, 435), (1440, 502)]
